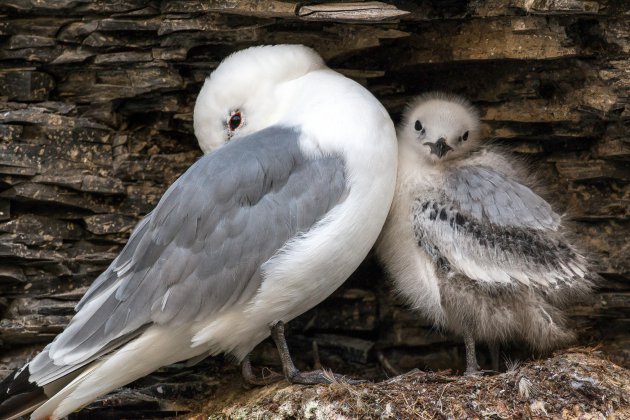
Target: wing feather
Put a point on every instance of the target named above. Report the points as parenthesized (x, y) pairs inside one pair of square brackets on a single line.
[(504, 201), (495, 230), (202, 247)]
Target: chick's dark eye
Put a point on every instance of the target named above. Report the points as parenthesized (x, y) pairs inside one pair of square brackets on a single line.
[(465, 136), (418, 125), (235, 121)]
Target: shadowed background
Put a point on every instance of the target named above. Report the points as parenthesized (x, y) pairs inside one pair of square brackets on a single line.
[(96, 102)]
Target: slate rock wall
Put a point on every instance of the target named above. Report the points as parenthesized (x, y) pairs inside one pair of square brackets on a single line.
[(96, 102)]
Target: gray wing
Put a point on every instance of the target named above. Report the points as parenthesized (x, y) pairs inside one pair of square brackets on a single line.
[(488, 195), (202, 247), (493, 229)]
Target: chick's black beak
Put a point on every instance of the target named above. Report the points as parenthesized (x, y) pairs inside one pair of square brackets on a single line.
[(439, 148)]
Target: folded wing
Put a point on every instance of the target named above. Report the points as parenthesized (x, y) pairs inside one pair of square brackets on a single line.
[(201, 248), (494, 230)]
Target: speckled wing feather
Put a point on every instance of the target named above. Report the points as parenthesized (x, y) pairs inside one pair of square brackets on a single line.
[(489, 195), (202, 247), (493, 229)]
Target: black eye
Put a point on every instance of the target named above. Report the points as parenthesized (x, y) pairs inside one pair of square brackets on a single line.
[(465, 136), (235, 121), (418, 125)]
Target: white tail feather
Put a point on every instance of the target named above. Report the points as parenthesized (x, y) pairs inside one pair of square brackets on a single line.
[(156, 347)]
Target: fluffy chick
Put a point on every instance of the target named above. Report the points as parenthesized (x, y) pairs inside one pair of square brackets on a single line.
[(468, 244)]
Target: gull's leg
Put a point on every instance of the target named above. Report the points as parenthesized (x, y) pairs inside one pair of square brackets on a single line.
[(472, 368), (291, 373), (495, 355), (386, 365), (251, 379)]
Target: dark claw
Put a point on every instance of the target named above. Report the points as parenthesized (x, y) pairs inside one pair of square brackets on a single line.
[(473, 373), (478, 373), (292, 374)]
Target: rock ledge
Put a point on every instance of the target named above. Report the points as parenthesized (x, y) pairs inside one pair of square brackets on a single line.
[(578, 383)]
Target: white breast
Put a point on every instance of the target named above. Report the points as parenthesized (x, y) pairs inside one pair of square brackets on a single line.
[(309, 268)]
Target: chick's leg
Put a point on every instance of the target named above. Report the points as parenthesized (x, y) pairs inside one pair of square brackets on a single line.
[(472, 368)]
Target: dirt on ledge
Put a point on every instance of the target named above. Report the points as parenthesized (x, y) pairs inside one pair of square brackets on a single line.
[(577, 383)]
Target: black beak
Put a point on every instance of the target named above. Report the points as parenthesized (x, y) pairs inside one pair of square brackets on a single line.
[(439, 148)]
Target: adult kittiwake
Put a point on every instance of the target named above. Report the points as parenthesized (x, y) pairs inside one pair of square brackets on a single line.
[(468, 244), (252, 235)]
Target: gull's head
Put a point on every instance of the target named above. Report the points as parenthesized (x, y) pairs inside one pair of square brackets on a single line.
[(244, 93), (440, 127)]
